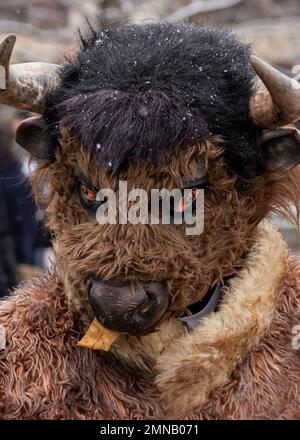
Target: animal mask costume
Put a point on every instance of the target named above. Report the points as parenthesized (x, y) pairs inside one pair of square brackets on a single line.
[(202, 325)]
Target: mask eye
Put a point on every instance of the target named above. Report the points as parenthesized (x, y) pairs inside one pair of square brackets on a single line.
[(189, 197), (188, 200), (88, 196)]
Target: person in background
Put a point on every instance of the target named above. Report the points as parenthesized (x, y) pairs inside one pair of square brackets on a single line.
[(44, 255), (17, 224), (8, 263)]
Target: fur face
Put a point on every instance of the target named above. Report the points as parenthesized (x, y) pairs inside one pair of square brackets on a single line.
[(187, 265), (141, 91), (148, 105)]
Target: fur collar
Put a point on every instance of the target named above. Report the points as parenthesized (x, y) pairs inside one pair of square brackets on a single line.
[(196, 363), (189, 366)]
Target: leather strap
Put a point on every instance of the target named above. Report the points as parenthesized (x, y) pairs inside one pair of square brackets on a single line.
[(192, 321)]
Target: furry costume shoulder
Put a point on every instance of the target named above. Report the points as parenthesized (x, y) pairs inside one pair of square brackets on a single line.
[(227, 368), (247, 319)]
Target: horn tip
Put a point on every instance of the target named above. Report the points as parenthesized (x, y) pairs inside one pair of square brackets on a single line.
[(9, 39), (256, 61), (11, 36), (6, 48)]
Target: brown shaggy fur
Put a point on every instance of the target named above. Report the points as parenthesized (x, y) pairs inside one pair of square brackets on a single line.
[(188, 265), (267, 384), (195, 364), (43, 374)]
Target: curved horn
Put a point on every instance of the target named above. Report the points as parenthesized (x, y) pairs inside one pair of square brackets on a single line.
[(26, 85), (277, 99)]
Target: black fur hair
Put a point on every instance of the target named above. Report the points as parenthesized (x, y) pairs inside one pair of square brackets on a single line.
[(138, 91)]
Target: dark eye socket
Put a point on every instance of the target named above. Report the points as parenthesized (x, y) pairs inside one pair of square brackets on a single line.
[(190, 198), (88, 196)]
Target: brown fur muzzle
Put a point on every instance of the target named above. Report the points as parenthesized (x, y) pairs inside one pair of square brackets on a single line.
[(187, 266)]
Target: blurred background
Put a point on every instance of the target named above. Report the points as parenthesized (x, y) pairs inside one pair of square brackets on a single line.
[(46, 29)]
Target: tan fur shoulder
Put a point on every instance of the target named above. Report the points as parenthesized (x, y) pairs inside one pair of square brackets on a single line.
[(199, 362), (266, 385)]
